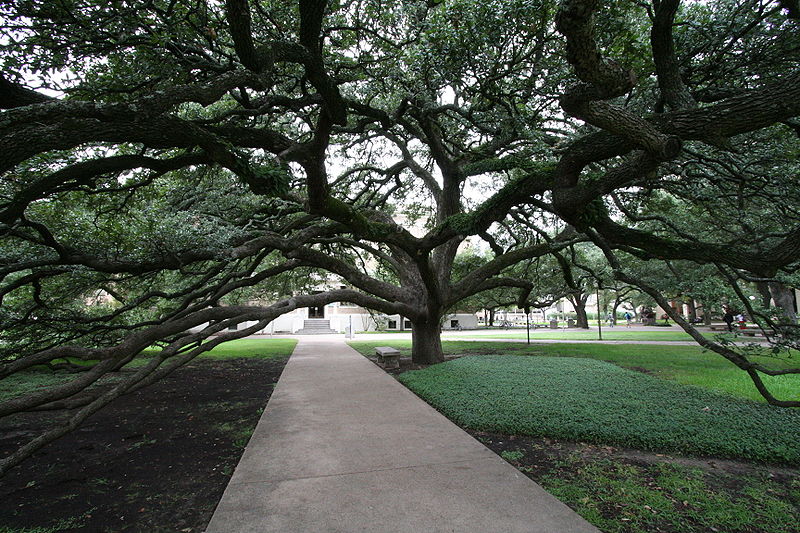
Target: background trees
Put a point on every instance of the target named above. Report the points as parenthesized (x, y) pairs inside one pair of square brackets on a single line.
[(187, 152)]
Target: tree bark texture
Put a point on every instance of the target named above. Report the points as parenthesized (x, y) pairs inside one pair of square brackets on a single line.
[(782, 296), (426, 343), (581, 320)]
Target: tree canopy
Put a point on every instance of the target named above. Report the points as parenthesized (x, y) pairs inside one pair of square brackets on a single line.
[(182, 156)]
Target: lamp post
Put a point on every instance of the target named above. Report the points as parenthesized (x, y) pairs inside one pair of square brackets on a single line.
[(599, 327), (528, 322)]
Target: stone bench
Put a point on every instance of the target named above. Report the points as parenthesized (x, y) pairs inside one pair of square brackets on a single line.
[(749, 332), (723, 327), (387, 356), (756, 333)]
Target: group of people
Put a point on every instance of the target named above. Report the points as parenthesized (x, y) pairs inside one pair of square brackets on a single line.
[(729, 317), (611, 321)]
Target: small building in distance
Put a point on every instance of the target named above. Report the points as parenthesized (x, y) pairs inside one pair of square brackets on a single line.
[(341, 317)]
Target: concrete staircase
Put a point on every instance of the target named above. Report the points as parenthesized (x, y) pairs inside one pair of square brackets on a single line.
[(315, 326)]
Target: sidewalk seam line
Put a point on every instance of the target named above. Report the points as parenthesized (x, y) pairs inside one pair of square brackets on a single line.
[(356, 472)]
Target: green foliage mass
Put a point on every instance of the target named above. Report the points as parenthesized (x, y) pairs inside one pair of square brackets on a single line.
[(594, 211), (593, 401)]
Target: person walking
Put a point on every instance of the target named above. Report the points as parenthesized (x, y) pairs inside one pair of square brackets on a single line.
[(628, 318), (728, 319)]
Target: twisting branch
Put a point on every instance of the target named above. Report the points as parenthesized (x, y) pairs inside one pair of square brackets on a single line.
[(14, 95), (168, 359), (668, 71), (603, 79), (238, 12), (753, 369)]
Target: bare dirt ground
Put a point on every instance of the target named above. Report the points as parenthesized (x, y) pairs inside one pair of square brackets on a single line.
[(156, 460), (539, 458)]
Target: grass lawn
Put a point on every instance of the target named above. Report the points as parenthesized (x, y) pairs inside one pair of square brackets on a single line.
[(689, 365), (235, 349), (259, 348), (621, 498), (594, 401), (609, 334), (41, 377), (624, 492)]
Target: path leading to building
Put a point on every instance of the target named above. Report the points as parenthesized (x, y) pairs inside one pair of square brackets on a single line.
[(343, 447)]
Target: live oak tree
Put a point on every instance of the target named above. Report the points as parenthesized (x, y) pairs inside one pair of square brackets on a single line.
[(183, 156)]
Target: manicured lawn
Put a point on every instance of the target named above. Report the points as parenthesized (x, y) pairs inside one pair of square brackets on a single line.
[(690, 365), (593, 401), (609, 334), (41, 377), (684, 364), (260, 348)]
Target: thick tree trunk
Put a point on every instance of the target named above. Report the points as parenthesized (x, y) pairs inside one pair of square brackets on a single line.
[(617, 303), (764, 292), (782, 296), (706, 314), (581, 320), (491, 317), (692, 310), (426, 343)]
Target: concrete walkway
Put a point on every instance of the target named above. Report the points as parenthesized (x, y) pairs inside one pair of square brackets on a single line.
[(343, 447)]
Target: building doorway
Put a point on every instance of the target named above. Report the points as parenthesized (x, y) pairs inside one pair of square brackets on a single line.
[(316, 312)]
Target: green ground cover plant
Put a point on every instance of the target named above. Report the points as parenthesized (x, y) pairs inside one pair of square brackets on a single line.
[(593, 401), (29, 381), (690, 365)]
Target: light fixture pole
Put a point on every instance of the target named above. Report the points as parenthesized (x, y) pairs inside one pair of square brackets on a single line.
[(528, 322), (599, 328)]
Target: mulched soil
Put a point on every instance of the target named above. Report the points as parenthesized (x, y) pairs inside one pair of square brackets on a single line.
[(152, 461), (544, 457)]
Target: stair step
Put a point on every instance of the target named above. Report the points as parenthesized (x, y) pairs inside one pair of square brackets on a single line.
[(316, 326), (316, 323)]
